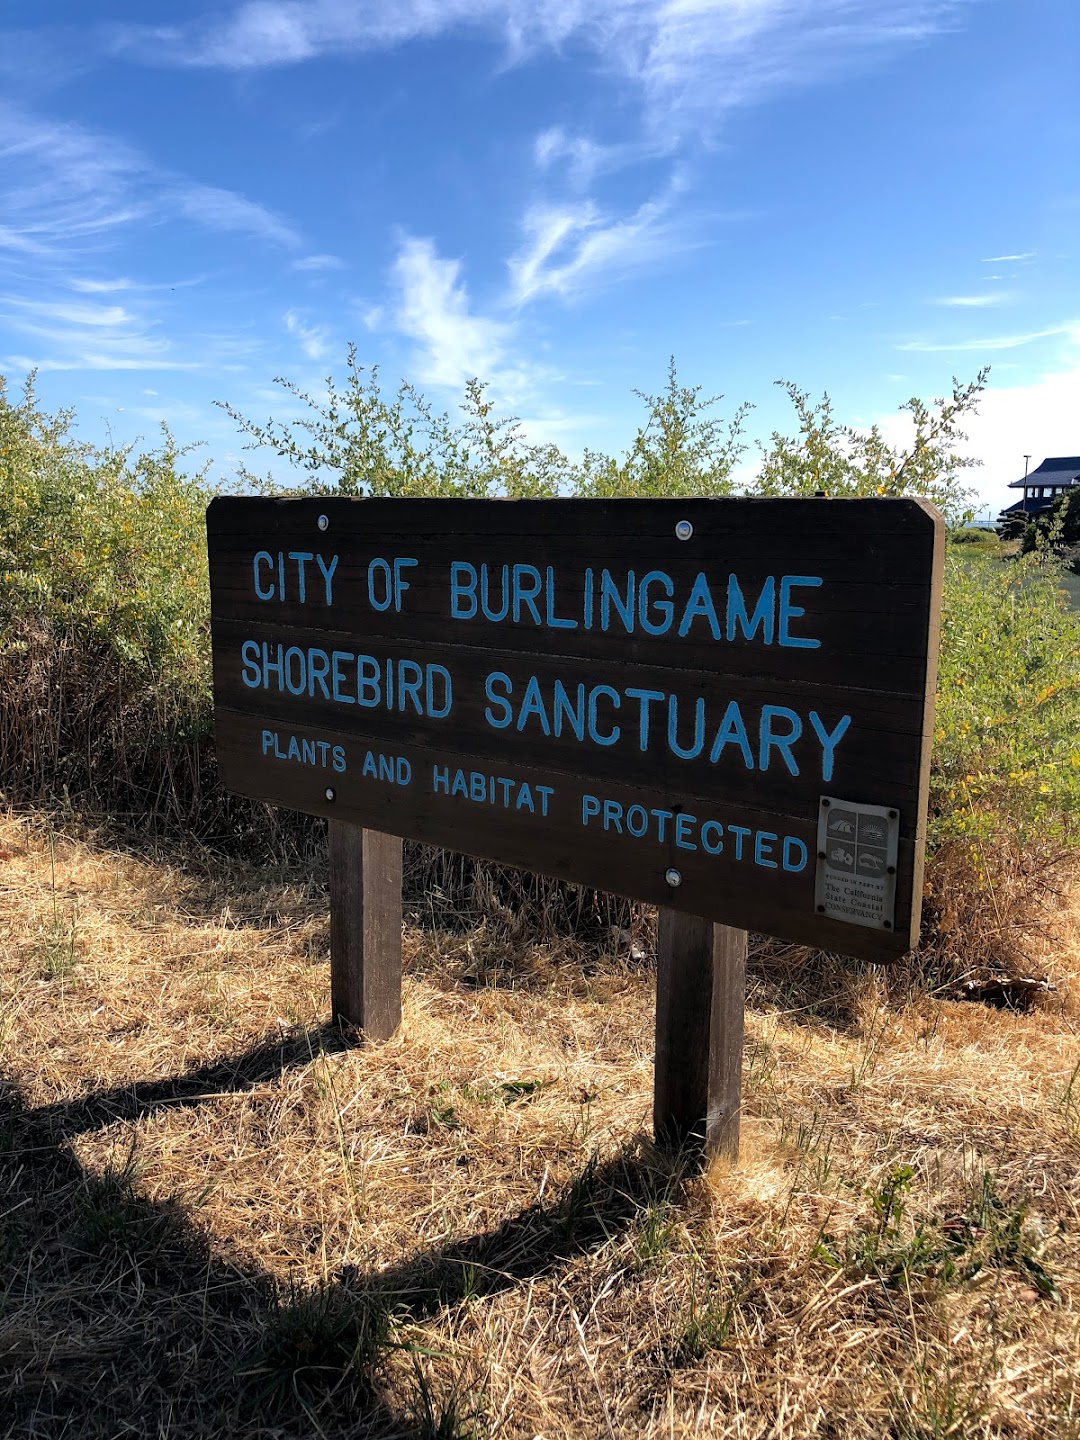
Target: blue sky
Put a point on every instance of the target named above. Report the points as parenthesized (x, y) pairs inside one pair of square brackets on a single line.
[(864, 196)]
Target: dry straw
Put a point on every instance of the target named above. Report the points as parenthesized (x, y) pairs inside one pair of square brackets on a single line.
[(222, 1219)]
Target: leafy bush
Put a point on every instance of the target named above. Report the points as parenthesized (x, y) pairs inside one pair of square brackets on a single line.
[(978, 538), (1005, 784), (1007, 736), (104, 609), (826, 458)]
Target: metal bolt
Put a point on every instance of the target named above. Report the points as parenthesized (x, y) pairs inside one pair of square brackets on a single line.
[(683, 530), (888, 924), (821, 909), (825, 804), (821, 855), (890, 869), (673, 877), (893, 814), (329, 793), (324, 523)]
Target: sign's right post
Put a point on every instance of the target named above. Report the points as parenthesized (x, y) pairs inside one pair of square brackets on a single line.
[(700, 1002)]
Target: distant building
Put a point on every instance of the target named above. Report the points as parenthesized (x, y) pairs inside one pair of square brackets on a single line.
[(1041, 488)]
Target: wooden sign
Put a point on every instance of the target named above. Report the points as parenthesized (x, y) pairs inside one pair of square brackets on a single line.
[(665, 699)]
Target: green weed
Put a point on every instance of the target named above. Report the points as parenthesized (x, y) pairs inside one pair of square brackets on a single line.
[(1069, 1104), (708, 1326), (319, 1340), (115, 1222), (952, 1249), (655, 1232), (452, 1412)]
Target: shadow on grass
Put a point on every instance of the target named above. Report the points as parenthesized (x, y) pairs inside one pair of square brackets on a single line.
[(118, 1316), (228, 1073)]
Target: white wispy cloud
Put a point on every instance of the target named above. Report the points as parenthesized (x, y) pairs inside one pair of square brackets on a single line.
[(569, 247), (65, 190), (98, 360), (433, 309), (77, 335), (123, 284), (100, 316), (70, 199), (691, 59), (1004, 259), (315, 340), (581, 157), (975, 302), (220, 209), (100, 287), (318, 262), (990, 343)]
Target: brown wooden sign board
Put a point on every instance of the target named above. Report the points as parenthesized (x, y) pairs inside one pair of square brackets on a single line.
[(658, 698)]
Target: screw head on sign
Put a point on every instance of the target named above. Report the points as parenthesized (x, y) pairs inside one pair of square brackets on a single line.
[(324, 523), (329, 793), (673, 877), (683, 530)]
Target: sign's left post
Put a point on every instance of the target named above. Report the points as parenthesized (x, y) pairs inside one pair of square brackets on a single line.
[(365, 929)]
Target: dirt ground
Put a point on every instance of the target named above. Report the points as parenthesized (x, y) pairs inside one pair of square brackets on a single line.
[(219, 1217)]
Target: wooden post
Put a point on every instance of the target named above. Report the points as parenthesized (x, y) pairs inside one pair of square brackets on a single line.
[(365, 929), (700, 999)]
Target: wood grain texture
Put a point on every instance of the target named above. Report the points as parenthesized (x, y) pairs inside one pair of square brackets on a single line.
[(365, 929), (700, 998)]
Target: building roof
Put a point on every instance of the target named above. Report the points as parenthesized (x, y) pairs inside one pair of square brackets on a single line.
[(1055, 470)]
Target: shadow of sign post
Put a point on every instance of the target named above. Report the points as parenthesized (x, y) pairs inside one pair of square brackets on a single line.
[(663, 699)]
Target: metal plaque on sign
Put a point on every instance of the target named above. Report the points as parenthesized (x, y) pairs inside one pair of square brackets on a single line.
[(856, 866)]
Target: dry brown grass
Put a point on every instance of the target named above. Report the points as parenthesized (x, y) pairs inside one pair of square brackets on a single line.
[(220, 1219)]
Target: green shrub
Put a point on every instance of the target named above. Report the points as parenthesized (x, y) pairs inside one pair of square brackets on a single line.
[(104, 618), (1007, 730), (826, 458), (977, 538), (1005, 783), (101, 544)]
